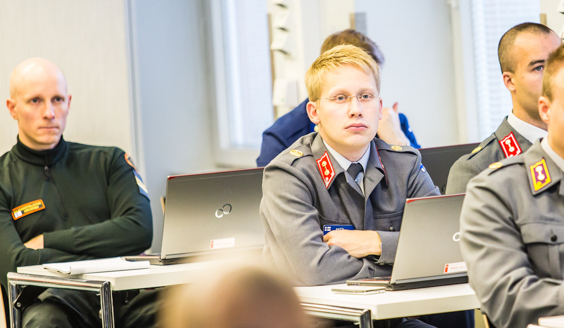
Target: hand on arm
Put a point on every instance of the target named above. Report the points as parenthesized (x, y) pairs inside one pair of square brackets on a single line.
[(35, 243), (389, 128), (357, 243)]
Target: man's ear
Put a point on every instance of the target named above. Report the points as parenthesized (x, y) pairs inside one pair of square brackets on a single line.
[(312, 112), (508, 81), (11, 104), (395, 107), (544, 109)]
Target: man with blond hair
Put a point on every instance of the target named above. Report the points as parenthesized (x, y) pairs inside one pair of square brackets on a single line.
[(340, 178), (512, 221), (63, 201)]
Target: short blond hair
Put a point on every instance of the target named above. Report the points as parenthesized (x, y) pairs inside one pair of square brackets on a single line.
[(554, 64), (334, 58)]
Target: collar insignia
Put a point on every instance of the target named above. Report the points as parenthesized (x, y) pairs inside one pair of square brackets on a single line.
[(326, 169), (27, 208), (540, 175), (510, 146)]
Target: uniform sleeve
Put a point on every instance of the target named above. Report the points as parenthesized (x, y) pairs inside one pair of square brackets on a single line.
[(271, 146), (407, 131), (461, 172), (14, 254), (129, 229), (419, 184), (294, 236), (499, 269)]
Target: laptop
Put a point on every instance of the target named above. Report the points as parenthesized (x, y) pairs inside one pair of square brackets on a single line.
[(210, 214), (439, 160), (428, 251)]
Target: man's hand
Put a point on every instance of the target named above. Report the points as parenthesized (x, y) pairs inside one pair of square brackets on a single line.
[(389, 128), (35, 243), (357, 243)]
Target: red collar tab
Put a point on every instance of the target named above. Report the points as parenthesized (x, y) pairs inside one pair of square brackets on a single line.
[(510, 146), (326, 169)]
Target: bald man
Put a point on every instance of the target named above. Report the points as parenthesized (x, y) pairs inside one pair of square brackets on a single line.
[(64, 201), (236, 297), (523, 51)]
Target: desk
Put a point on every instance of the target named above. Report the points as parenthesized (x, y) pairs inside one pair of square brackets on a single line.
[(104, 283), (320, 301)]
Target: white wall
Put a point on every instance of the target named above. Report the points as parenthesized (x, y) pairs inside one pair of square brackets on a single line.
[(415, 37), (173, 100), (87, 40), (554, 19)]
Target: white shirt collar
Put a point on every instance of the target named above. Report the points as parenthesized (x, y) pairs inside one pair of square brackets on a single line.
[(345, 163), (529, 131), (559, 161)]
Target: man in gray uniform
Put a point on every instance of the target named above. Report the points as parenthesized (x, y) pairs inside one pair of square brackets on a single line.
[(340, 178), (522, 53), (512, 222)]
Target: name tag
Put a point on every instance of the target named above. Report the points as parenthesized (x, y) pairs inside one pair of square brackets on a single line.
[(328, 228), (28, 208)]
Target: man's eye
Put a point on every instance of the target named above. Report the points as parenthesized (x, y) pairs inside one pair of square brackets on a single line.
[(340, 98), (34, 101), (366, 96), (58, 99), (539, 68)]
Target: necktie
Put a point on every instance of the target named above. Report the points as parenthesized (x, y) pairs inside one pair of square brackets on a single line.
[(354, 169)]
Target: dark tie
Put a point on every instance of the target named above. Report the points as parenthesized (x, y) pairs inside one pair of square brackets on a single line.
[(354, 169)]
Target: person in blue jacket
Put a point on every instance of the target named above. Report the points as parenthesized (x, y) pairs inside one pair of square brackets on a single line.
[(394, 127)]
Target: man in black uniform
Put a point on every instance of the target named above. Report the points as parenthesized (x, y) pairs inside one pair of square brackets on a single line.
[(63, 201)]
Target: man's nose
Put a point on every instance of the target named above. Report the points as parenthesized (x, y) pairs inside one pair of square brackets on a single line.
[(49, 111), (355, 108)]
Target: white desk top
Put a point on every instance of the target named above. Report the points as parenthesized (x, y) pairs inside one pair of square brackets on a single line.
[(155, 276), (396, 304)]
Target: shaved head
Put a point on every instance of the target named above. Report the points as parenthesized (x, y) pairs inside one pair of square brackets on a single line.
[(31, 68), (506, 57)]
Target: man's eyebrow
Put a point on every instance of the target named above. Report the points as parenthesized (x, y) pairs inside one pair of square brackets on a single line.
[(539, 61)]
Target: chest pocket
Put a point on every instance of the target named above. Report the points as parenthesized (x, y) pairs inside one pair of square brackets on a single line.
[(388, 221), (545, 243)]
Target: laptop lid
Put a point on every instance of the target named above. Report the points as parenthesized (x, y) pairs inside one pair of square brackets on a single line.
[(428, 246), (439, 160), (212, 213)]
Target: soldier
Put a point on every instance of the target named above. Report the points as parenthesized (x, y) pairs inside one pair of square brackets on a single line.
[(340, 178), (394, 127), (512, 221), (64, 201), (522, 52)]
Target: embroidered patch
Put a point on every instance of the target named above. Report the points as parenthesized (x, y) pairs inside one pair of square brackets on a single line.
[(297, 153), (510, 146), (477, 149), (540, 175), (27, 208), (326, 169), (142, 188), (129, 161), (396, 148), (495, 165)]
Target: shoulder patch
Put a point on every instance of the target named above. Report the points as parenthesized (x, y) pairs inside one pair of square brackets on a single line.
[(297, 153), (540, 175)]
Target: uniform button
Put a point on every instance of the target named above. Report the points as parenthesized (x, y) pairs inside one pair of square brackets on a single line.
[(554, 238), (392, 228)]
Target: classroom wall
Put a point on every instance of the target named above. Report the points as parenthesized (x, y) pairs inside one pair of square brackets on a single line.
[(554, 19), (415, 37), (173, 100), (87, 40)]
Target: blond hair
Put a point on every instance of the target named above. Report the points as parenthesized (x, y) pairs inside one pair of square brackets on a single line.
[(335, 58), (553, 65)]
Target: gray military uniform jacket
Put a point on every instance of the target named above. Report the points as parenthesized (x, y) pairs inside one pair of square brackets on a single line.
[(512, 226), (296, 204), (489, 151)]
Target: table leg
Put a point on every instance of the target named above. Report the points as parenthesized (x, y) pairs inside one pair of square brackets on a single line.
[(362, 317), (107, 304), (15, 312)]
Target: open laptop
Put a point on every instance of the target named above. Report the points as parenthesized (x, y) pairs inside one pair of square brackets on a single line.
[(210, 214), (438, 161), (428, 251)]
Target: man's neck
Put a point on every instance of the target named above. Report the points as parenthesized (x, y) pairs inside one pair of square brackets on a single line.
[(524, 116), (352, 155)]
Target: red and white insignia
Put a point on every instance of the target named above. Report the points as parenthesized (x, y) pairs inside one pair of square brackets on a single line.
[(510, 146), (326, 169), (540, 175)]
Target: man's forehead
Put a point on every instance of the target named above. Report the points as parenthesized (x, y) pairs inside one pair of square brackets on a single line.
[(530, 47), (347, 77)]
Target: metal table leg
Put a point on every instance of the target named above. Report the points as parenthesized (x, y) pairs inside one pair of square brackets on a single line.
[(362, 317), (16, 281)]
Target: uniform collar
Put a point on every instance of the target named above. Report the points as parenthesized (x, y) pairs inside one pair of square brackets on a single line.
[(344, 162), (541, 169), (40, 157), (517, 143), (528, 131)]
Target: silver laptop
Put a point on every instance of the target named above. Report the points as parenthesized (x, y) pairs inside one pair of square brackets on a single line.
[(428, 251), (211, 214), (438, 161)]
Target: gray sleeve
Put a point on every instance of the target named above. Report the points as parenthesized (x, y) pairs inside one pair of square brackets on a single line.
[(419, 185), (292, 223), (461, 172), (499, 269)]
